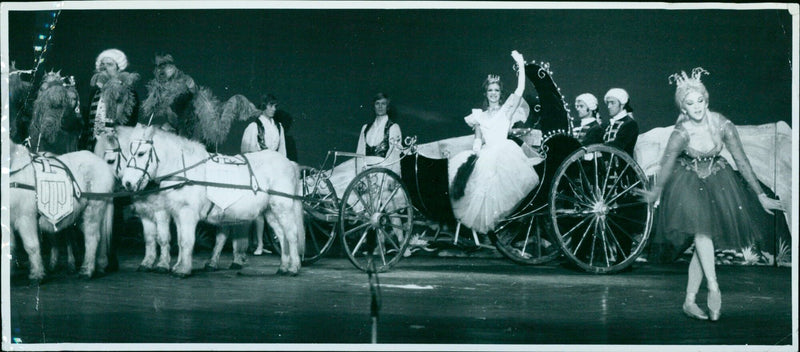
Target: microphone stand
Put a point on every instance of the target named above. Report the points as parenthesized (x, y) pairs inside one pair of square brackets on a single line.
[(374, 285)]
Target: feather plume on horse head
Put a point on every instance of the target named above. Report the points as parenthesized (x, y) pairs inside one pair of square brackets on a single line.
[(55, 105), (211, 128), (239, 108), (214, 125), (118, 95)]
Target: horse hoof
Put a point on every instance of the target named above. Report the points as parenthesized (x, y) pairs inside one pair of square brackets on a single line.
[(143, 269), (84, 276), (282, 272), (180, 275), (293, 273), (162, 270), (235, 266), (209, 267)]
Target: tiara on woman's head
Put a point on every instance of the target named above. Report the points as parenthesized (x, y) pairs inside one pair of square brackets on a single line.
[(492, 79), (683, 79)]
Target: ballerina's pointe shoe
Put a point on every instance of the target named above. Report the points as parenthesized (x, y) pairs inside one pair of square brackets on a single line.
[(693, 311), (714, 304)]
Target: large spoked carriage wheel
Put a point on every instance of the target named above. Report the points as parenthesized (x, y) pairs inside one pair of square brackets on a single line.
[(375, 219), (525, 240), (599, 219), (320, 212)]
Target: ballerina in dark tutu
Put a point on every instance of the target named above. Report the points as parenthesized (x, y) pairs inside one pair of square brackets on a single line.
[(701, 196)]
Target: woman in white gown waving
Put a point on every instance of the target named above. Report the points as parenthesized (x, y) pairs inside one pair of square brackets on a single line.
[(489, 181)]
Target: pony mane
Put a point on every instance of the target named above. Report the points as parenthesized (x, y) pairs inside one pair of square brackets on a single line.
[(186, 144)]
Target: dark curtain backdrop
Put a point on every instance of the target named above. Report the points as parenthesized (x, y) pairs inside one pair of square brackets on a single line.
[(325, 65)]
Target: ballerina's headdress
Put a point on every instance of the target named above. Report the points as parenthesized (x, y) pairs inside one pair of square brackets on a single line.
[(685, 84)]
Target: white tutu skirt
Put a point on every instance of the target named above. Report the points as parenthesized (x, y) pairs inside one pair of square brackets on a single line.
[(502, 177)]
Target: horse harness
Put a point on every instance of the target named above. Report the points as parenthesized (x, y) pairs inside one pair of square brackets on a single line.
[(49, 162), (184, 180)]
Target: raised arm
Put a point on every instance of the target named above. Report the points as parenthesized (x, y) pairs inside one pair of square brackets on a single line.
[(521, 73)]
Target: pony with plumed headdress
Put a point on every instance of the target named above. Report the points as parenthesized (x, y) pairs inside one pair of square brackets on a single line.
[(56, 121)]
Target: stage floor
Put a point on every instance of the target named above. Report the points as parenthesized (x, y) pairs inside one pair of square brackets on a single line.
[(425, 300)]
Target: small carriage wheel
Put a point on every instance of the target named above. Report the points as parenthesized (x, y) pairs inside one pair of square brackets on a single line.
[(320, 212), (599, 219), (376, 211), (526, 240)]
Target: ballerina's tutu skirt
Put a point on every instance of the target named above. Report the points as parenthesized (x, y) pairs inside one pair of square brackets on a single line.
[(711, 199), (502, 177)]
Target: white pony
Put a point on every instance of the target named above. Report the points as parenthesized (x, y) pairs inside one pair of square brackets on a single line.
[(177, 162), (95, 212), (152, 210)]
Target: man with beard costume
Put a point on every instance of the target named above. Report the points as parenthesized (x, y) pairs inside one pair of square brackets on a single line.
[(114, 100), (169, 98)]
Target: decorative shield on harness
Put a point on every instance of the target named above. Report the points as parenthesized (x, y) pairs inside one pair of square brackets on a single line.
[(230, 170), (54, 190)]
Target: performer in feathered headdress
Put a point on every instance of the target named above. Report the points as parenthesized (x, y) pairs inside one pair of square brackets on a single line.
[(114, 100), (56, 123), (169, 98)]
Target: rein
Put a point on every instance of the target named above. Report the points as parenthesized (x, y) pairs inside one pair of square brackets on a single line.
[(184, 180)]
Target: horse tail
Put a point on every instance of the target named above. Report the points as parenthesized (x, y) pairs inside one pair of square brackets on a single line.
[(299, 218), (462, 176), (106, 231)]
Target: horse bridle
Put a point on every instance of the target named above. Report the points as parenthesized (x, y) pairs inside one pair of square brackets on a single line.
[(117, 158), (151, 157)]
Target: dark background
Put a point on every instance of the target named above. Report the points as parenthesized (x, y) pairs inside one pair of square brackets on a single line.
[(325, 65)]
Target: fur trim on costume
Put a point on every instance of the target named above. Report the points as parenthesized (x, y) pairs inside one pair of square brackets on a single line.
[(160, 96), (119, 97), (462, 177)]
